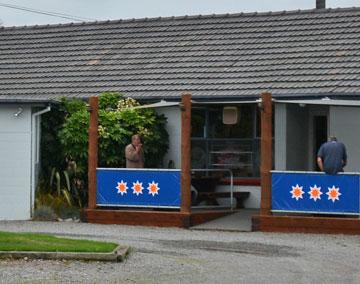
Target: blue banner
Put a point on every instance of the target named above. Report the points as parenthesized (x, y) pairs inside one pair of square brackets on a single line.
[(138, 187), (315, 192)]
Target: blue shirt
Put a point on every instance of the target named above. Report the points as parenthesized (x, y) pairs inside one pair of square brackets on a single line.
[(334, 157)]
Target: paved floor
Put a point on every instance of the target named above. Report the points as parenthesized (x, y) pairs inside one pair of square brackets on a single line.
[(169, 255), (237, 222)]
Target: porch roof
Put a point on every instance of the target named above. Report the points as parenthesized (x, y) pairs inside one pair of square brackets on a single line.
[(234, 56)]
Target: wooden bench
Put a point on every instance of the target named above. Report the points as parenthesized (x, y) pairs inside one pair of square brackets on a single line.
[(210, 197)]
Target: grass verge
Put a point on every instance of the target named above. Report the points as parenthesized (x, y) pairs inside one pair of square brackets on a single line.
[(48, 243)]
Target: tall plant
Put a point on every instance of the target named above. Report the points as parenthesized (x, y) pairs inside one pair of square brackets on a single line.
[(59, 186), (51, 149)]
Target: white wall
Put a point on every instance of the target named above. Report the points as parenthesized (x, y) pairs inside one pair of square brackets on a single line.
[(345, 125), (291, 137), (15, 163), (173, 127), (280, 137)]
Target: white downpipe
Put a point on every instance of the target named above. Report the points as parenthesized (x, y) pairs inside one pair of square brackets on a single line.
[(35, 148)]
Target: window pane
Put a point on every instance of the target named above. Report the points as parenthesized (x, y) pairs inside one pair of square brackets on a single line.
[(198, 119), (258, 122), (239, 155), (243, 129), (199, 154)]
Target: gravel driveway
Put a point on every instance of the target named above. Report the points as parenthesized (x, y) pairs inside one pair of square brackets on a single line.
[(170, 255)]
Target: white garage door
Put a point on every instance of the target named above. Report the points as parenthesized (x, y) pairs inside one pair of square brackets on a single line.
[(15, 161)]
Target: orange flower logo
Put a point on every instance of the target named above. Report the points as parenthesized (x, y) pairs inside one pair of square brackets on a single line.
[(153, 188), (315, 192), (297, 192), (137, 188), (333, 193), (122, 187)]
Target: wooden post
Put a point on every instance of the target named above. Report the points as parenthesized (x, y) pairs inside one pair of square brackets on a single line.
[(93, 152), (185, 153), (266, 153)]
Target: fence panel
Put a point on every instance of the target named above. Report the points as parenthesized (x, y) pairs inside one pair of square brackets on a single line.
[(138, 188), (311, 192)]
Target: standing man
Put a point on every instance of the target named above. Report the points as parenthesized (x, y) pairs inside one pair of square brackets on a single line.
[(134, 153), (332, 157)]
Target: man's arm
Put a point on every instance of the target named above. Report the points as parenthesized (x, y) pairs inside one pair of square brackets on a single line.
[(320, 163), (319, 159)]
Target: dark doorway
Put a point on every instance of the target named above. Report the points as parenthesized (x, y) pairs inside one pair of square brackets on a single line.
[(320, 135)]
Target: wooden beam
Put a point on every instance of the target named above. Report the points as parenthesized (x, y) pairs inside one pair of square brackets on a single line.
[(307, 224), (151, 218), (92, 152), (185, 153), (266, 153), (138, 218)]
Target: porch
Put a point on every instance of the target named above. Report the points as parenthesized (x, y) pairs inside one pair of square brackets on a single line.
[(287, 149)]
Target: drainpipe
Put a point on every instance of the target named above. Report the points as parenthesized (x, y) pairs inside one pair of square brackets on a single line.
[(35, 149)]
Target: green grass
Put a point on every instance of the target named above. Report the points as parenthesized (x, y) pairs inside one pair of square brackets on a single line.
[(48, 243)]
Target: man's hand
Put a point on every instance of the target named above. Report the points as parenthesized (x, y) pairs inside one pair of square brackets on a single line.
[(138, 148)]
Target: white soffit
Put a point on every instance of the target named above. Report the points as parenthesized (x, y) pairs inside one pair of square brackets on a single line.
[(224, 102), (327, 102), (162, 103)]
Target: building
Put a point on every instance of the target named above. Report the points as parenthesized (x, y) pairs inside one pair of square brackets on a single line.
[(308, 60)]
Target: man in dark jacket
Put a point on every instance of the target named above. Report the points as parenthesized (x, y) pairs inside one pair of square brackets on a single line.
[(332, 157)]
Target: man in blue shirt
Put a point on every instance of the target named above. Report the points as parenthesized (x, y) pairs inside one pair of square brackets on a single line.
[(332, 157)]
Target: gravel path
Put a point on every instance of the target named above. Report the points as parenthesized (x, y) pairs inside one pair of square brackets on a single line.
[(169, 255)]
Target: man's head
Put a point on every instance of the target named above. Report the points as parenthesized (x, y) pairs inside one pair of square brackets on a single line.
[(135, 139), (332, 138)]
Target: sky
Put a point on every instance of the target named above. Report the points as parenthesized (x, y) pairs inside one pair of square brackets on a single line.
[(127, 9)]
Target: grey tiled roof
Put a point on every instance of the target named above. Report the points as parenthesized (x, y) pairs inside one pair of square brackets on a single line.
[(298, 53)]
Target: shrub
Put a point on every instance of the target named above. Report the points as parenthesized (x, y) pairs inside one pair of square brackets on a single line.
[(52, 155), (117, 122)]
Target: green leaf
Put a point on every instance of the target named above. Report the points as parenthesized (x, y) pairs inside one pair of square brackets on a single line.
[(66, 175), (67, 197), (57, 177), (52, 176)]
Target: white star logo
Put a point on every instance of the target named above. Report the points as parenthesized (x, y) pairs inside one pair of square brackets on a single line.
[(297, 192), (137, 188), (333, 193), (315, 192), (122, 187), (153, 188)]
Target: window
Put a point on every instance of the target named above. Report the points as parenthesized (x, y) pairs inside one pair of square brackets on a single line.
[(216, 145)]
